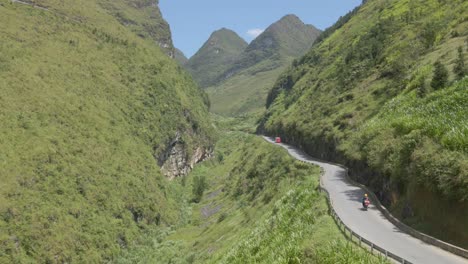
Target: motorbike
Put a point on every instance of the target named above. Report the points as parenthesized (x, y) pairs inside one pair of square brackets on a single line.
[(366, 204)]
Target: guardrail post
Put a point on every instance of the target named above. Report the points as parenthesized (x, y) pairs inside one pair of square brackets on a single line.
[(360, 241), (348, 238), (372, 248)]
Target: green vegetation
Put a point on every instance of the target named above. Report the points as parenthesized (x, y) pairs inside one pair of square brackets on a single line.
[(440, 77), (245, 123), (241, 88), (140, 16), (210, 62), (180, 57), (243, 93), (460, 70), (199, 186), (260, 206), (375, 93), (87, 107), (412, 140)]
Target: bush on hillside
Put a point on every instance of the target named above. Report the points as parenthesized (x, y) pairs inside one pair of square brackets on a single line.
[(199, 187), (460, 69), (440, 78)]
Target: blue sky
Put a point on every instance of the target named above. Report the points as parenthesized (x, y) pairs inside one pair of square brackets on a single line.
[(193, 21)]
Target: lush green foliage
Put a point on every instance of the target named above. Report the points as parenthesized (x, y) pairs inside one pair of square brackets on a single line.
[(236, 96), (278, 239), (440, 78), (383, 54), (339, 252), (199, 186), (460, 69), (86, 105), (411, 126), (414, 142)]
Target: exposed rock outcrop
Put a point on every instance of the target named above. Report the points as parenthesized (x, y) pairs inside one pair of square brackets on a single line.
[(178, 159)]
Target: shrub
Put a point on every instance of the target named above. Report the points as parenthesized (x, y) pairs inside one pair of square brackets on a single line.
[(222, 217), (460, 68), (199, 187), (440, 78)]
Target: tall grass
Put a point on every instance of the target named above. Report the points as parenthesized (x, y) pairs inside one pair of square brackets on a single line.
[(442, 115)]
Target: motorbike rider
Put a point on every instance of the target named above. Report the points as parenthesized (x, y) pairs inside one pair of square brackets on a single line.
[(364, 199)]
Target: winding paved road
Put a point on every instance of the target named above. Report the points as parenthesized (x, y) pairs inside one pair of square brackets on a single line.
[(371, 224)]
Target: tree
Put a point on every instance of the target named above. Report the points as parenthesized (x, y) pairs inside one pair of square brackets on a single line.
[(421, 91), (460, 69), (429, 34), (440, 78), (199, 186)]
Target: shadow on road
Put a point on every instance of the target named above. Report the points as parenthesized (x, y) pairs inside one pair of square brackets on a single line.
[(355, 195)]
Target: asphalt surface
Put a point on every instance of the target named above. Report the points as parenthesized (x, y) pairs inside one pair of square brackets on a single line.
[(371, 224)]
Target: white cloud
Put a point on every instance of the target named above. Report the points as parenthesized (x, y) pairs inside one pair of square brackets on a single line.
[(255, 32)]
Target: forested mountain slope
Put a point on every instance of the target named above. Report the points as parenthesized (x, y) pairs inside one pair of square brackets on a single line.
[(91, 108), (383, 92), (214, 57), (243, 86)]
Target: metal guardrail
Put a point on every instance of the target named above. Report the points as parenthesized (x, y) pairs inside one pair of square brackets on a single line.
[(349, 233), (359, 239), (408, 230)]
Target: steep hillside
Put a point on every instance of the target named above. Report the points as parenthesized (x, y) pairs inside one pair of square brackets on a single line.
[(180, 57), (91, 110), (382, 91), (219, 51), (243, 87), (142, 17)]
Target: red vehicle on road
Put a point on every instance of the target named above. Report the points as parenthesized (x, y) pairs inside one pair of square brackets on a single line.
[(277, 140)]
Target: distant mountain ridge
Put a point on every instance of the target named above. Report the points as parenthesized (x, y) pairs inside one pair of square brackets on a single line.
[(216, 54), (242, 86), (288, 37)]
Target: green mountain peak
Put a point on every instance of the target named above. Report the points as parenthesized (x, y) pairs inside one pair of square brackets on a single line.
[(219, 51), (244, 85)]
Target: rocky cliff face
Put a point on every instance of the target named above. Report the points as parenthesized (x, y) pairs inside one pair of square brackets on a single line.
[(179, 159)]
